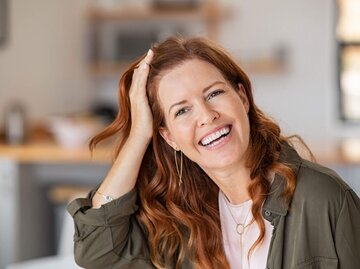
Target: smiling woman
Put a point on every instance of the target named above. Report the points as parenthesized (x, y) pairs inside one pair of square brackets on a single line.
[(204, 179)]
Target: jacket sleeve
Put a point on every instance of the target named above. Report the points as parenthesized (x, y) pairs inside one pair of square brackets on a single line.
[(110, 236), (347, 236)]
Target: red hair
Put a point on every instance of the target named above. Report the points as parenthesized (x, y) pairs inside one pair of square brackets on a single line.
[(184, 221)]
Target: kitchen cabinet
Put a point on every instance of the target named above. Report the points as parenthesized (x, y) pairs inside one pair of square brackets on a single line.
[(36, 182)]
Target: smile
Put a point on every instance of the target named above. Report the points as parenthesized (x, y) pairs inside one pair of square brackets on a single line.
[(215, 138)]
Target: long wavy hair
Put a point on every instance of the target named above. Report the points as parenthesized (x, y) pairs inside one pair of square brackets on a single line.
[(184, 220)]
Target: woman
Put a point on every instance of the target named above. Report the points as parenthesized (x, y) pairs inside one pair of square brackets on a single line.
[(204, 179)]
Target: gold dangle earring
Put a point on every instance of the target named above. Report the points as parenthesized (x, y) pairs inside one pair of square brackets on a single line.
[(179, 171)]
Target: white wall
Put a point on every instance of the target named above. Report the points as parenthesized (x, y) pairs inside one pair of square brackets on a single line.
[(43, 61), (303, 99)]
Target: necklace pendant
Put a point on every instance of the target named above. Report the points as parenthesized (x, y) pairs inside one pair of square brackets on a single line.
[(240, 229)]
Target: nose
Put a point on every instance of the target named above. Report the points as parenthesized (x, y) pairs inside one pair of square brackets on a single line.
[(207, 115)]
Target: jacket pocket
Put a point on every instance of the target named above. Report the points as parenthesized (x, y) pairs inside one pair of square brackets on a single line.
[(318, 263)]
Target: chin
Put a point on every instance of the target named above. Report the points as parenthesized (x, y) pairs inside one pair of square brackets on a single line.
[(222, 163)]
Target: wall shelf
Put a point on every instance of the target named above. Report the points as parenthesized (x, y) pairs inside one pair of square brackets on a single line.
[(145, 14)]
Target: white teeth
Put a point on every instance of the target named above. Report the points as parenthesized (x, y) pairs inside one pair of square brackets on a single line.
[(210, 138)]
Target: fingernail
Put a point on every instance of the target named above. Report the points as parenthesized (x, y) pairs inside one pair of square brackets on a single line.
[(149, 52), (144, 66)]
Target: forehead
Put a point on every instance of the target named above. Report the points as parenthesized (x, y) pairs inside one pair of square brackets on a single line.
[(190, 77)]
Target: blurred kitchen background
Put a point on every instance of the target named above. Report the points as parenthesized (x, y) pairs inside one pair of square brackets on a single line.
[(60, 62)]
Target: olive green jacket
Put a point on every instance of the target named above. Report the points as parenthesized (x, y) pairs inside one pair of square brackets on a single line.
[(319, 229)]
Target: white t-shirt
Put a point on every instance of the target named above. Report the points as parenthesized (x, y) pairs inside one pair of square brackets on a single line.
[(235, 250)]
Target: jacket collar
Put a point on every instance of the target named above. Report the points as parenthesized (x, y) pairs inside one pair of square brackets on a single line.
[(274, 204)]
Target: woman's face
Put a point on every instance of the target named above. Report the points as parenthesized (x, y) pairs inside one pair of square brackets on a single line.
[(205, 117)]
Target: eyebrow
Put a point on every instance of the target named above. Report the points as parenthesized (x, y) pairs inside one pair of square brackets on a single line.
[(204, 90)]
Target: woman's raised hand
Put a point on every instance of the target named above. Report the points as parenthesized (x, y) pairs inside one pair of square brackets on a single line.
[(122, 176), (141, 116)]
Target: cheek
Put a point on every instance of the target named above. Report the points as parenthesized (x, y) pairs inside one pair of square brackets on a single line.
[(243, 120), (246, 131), (183, 133)]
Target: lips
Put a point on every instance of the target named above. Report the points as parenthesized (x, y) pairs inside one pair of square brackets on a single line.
[(215, 136)]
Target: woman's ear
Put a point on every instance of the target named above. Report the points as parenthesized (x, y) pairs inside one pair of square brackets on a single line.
[(243, 96), (165, 133)]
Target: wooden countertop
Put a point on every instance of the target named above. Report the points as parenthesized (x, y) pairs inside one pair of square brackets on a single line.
[(53, 153), (50, 152)]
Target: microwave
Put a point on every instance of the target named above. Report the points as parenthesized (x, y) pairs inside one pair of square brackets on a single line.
[(124, 43), (131, 45)]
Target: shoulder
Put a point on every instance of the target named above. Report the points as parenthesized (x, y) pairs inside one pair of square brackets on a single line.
[(319, 186), (317, 177)]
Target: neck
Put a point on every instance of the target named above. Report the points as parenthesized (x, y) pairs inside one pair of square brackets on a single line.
[(233, 183)]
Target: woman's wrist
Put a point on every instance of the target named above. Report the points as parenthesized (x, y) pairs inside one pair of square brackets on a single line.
[(141, 138)]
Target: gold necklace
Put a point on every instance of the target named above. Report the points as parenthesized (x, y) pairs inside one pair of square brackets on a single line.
[(240, 227)]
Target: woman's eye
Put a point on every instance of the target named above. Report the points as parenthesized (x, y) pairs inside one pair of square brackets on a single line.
[(181, 111), (214, 93)]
